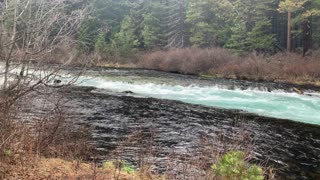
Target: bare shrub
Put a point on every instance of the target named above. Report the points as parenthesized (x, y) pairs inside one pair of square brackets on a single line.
[(26, 138), (253, 66), (288, 67), (296, 67), (56, 137), (187, 61)]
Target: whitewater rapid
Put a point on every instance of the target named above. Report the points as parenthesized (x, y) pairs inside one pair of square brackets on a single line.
[(277, 104)]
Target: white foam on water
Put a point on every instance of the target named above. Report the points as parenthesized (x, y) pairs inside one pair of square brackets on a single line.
[(278, 104)]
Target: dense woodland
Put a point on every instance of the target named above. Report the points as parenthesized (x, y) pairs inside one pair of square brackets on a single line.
[(119, 27)]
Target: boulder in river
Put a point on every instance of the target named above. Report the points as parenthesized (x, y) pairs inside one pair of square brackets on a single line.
[(127, 92)]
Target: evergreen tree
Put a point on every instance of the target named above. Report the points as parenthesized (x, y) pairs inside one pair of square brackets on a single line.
[(152, 32), (126, 40), (241, 25), (315, 25), (290, 6), (174, 24), (110, 13), (104, 16), (207, 27), (101, 45), (238, 40), (252, 30), (260, 39), (311, 11), (87, 36)]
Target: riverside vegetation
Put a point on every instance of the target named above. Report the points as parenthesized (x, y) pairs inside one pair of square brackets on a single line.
[(243, 39)]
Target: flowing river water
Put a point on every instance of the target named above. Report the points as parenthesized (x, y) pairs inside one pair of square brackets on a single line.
[(179, 111), (266, 101)]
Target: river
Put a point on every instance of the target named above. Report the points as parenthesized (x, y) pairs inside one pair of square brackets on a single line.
[(180, 110), (174, 114)]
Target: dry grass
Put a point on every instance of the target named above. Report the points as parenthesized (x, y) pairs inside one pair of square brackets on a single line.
[(51, 169), (282, 67)]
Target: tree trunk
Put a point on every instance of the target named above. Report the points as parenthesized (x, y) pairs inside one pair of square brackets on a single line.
[(289, 32), (307, 39)]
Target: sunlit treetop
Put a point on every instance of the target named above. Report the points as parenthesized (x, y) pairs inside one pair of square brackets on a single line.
[(312, 12), (291, 5)]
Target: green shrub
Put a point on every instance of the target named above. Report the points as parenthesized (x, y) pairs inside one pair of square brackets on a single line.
[(127, 168), (232, 166), (118, 165)]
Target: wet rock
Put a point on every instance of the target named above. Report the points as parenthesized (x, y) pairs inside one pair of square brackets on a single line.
[(127, 92), (57, 81)]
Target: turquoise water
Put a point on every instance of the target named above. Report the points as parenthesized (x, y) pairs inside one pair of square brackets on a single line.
[(277, 104)]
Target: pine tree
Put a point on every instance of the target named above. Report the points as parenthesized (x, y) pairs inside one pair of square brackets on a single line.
[(110, 13), (238, 40), (174, 24), (290, 6), (311, 10), (315, 25), (260, 39), (152, 33), (207, 27), (101, 45), (87, 36), (126, 40), (241, 25)]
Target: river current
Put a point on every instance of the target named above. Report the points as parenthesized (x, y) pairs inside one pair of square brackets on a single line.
[(277, 103), (175, 114)]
